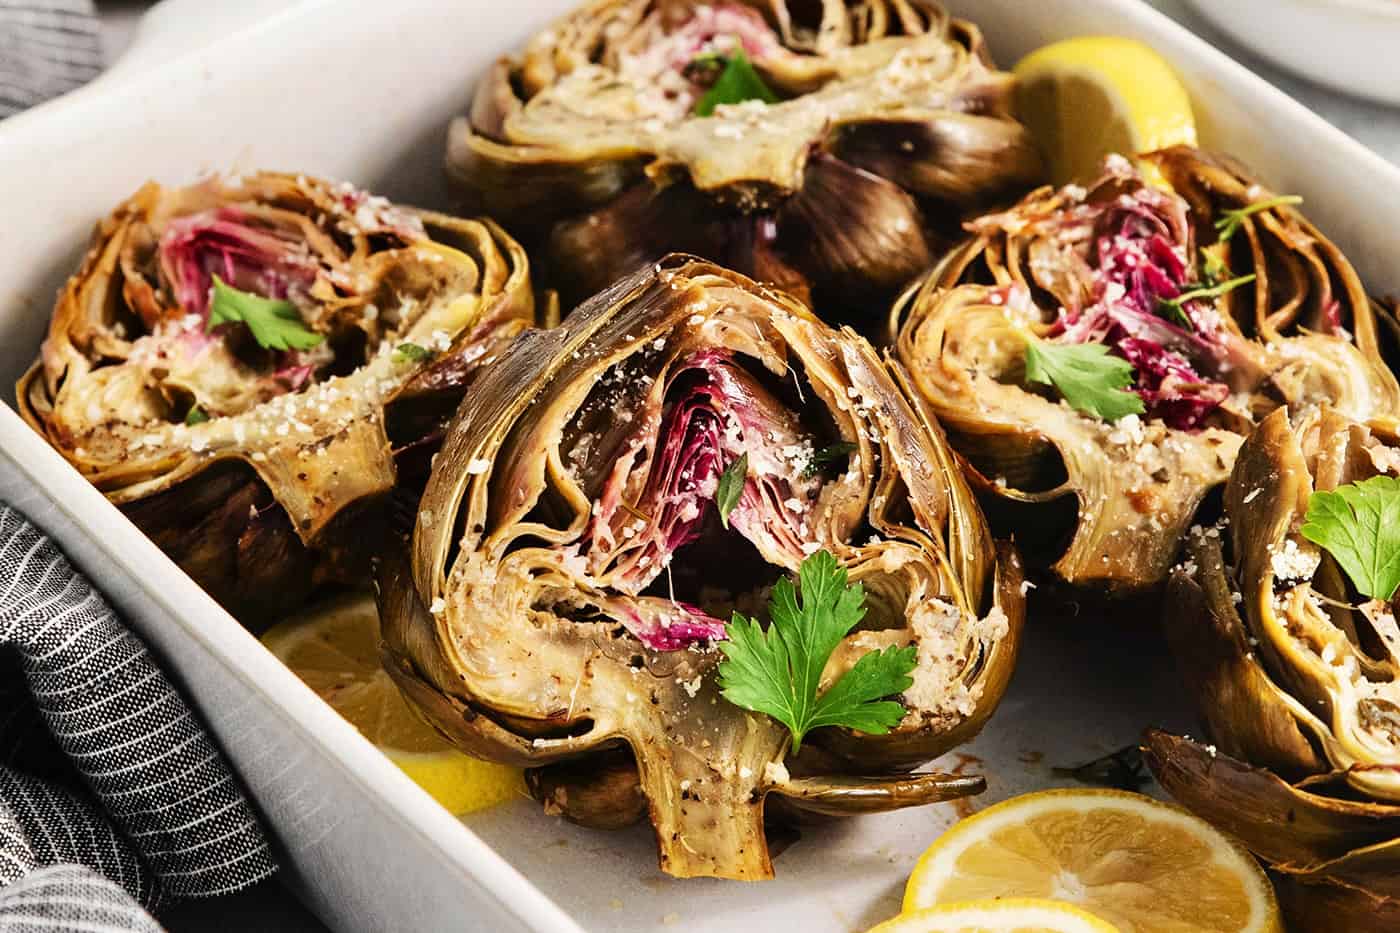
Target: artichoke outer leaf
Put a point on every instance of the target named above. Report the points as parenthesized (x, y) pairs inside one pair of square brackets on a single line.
[(1311, 904), (599, 791), (1286, 825), (1245, 712), (833, 795)]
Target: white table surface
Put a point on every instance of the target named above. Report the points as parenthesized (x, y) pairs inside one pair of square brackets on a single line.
[(268, 907)]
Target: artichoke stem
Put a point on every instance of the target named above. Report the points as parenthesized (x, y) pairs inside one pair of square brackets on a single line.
[(708, 816)]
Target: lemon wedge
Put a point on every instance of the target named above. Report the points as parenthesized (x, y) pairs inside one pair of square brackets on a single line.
[(1088, 97), (1142, 865), (1012, 915), (334, 649)]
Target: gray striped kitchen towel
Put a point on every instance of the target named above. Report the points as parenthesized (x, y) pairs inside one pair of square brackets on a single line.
[(112, 796), (113, 799), (47, 48)]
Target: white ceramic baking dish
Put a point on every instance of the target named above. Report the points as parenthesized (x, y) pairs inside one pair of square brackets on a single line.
[(363, 90)]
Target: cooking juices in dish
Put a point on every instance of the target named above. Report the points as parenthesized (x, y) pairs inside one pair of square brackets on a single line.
[(828, 148), (575, 557), (1099, 353), (239, 364)]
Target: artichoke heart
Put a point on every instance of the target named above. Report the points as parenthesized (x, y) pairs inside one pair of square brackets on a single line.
[(571, 568), (1221, 301), (1295, 676), (238, 364), (866, 131)]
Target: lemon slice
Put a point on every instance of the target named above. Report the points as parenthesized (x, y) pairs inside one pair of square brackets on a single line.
[(1143, 865), (1088, 97), (1012, 915), (334, 649)]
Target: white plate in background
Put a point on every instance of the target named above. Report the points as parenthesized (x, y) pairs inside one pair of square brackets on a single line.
[(1352, 46)]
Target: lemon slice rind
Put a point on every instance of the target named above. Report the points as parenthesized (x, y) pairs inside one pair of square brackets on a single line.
[(1007, 915)]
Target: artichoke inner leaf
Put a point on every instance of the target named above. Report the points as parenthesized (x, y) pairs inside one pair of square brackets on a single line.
[(699, 416)]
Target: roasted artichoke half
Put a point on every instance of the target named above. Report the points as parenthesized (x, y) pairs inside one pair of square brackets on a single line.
[(1297, 679), (570, 571), (862, 131), (1219, 301), (237, 363)]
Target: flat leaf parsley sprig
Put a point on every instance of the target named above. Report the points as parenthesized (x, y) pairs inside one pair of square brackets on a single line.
[(778, 672), (1174, 309)]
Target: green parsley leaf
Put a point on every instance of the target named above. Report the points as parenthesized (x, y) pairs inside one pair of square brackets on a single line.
[(196, 415), (411, 352), (778, 672), (1175, 308), (731, 486), (1086, 376), (1229, 222), (828, 455), (738, 82), (857, 702), (1213, 269), (274, 322), (1359, 525)]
